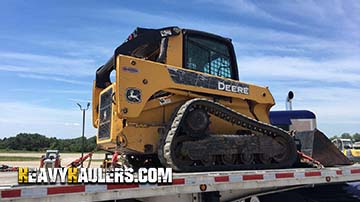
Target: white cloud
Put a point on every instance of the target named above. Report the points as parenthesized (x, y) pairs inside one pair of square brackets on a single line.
[(46, 64), (56, 91), (345, 70), (336, 108), (20, 117), (79, 100), (80, 49), (71, 124), (246, 37), (338, 16), (54, 78), (43, 58), (328, 87), (241, 7)]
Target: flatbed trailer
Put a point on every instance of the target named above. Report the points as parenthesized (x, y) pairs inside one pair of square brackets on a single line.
[(202, 186)]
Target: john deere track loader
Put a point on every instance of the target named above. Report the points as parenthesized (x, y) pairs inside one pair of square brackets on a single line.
[(176, 100)]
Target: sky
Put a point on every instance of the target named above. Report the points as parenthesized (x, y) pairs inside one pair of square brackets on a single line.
[(50, 50)]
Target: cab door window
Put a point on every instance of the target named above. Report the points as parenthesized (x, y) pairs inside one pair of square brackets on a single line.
[(208, 55)]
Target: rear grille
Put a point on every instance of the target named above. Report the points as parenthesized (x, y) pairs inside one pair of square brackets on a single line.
[(105, 115)]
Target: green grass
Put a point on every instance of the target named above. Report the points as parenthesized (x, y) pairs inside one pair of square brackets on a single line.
[(19, 158), (18, 151)]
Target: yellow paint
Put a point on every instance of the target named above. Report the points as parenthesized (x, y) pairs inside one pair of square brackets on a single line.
[(95, 104), (23, 175), (355, 152), (72, 175), (144, 119), (174, 51)]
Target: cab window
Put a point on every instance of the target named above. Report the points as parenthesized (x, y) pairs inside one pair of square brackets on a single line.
[(207, 55)]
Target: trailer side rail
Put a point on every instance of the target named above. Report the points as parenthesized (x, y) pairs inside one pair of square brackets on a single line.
[(185, 183)]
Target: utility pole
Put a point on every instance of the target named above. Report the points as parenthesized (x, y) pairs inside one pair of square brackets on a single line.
[(83, 129)]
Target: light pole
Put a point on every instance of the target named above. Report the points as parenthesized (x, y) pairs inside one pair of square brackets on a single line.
[(83, 129)]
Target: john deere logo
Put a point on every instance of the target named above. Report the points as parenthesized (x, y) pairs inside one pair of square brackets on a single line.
[(133, 95)]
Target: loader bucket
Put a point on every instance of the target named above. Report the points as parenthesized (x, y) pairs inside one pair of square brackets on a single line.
[(316, 145)]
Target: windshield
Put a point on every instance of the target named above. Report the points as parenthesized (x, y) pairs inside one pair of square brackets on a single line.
[(347, 144), (356, 146)]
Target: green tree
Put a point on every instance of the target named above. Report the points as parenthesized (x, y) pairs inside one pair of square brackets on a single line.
[(356, 137), (37, 142), (346, 136)]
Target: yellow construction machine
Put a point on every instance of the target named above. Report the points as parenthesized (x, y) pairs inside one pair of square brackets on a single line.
[(346, 146), (176, 100)]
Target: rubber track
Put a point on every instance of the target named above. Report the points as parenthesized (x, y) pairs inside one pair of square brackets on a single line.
[(170, 133)]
